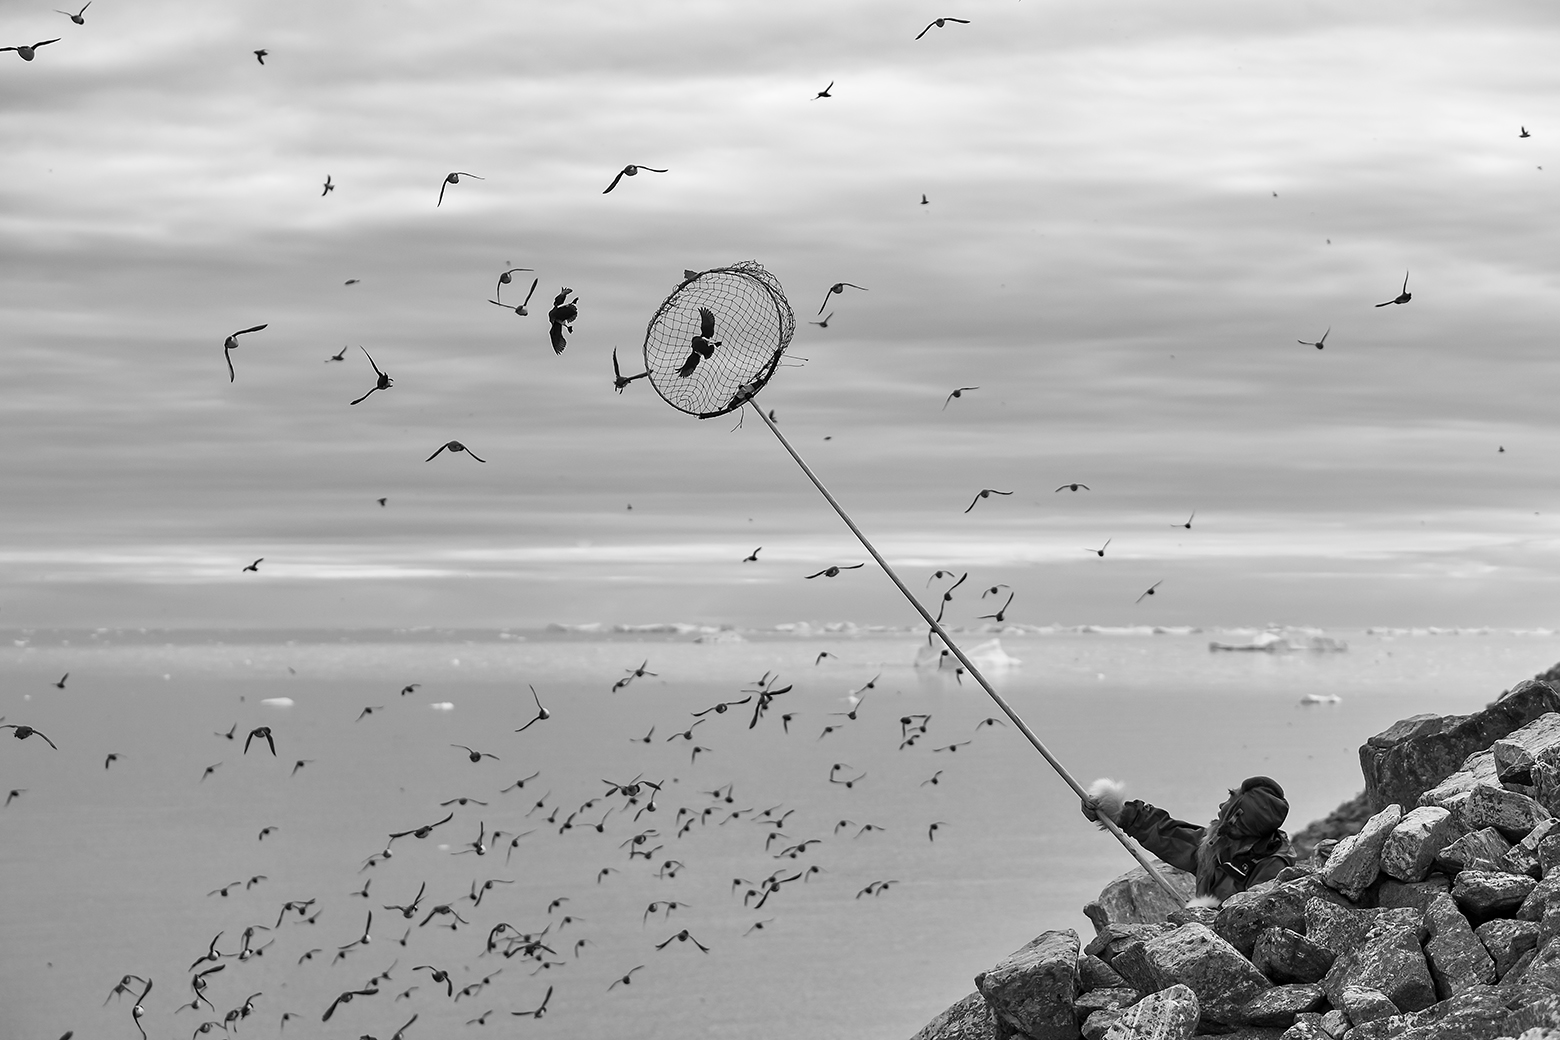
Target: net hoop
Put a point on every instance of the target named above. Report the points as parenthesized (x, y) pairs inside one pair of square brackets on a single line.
[(706, 376)]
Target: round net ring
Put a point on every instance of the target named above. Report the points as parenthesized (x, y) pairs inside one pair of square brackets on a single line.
[(718, 338)]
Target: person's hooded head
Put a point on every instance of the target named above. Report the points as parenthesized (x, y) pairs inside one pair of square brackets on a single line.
[(1255, 811)]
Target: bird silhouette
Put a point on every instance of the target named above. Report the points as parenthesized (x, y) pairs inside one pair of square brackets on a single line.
[(263, 732), (703, 346), (619, 380), (261, 54), (985, 493), (329, 187), (541, 714), (60, 684), (505, 278), (1318, 343), (562, 316), (454, 446), (752, 557), (79, 20), (541, 1010), (1402, 297), (1524, 132), (522, 309), (938, 23), (23, 732), (26, 51), (1000, 615), (255, 566), (382, 382), (833, 572), (475, 756), (682, 936), (231, 343), (339, 356), (1150, 591), (454, 178), (631, 170), (824, 323), (836, 289), (1101, 550), (956, 395), (1188, 524), (626, 979), (1073, 487), (113, 756)]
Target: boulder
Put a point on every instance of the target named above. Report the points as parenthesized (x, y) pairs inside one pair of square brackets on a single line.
[(1490, 805), (1390, 960), (1340, 929), (1105, 1000), (1032, 989), (1113, 937), (1506, 940), (1199, 913), (968, 1019), (1098, 1024), (1285, 955), (1136, 898), (1513, 762), (1458, 960), (1246, 915), (1475, 1015), (1417, 894), (1410, 757), (1476, 850), (1194, 956), (1170, 1014), (1356, 860), (1414, 843), (1363, 1004), (1335, 1022), (1483, 894), (1278, 1006), (1306, 1027), (1548, 851), (1094, 973), (1540, 736), (1131, 963), (1523, 857), (1532, 908)]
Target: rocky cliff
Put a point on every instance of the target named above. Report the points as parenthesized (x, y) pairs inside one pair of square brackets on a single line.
[(1426, 909)]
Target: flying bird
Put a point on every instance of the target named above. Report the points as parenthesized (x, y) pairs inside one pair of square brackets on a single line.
[(1150, 591), (561, 317), (752, 557), (957, 394), (1524, 132), (505, 279), (26, 52), (541, 714), (619, 380), (836, 289), (1073, 487), (824, 323), (454, 446), (454, 178), (231, 343), (1318, 343), (23, 732), (521, 310), (263, 732), (1188, 524), (340, 356), (825, 91), (254, 566), (703, 346), (632, 170), (113, 756), (79, 20), (833, 572), (329, 187), (1000, 615), (542, 1010), (940, 23), (383, 381), (475, 756), (985, 493), (1402, 297), (626, 979), (1101, 550), (61, 683), (260, 55)]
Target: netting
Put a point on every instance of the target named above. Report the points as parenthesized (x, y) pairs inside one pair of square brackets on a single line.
[(717, 339)]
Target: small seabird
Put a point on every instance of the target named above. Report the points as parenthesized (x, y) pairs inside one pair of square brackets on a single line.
[(454, 446), (27, 52), (939, 23), (454, 178), (631, 170)]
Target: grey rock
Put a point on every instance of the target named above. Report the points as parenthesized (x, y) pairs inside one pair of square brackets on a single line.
[(1032, 989), (1170, 1014), (1541, 970), (1105, 1000), (967, 1019), (1548, 852), (1506, 941), (1306, 1027), (1278, 1006), (1113, 937), (1412, 756), (1194, 956), (1199, 914), (1251, 1033), (1416, 841), (1391, 894), (1523, 857), (1390, 960), (1246, 915), (1483, 894), (1098, 1024), (1285, 955), (1335, 1022), (1094, 973), (1364, 1004), (1541, 1013), (1356, 860), (1532, 908), (1131, 963), (1136, 898), (1539, 735), (1476, 850), (1490, 805), (1513, 762), (1458, 960), (1341, 929)]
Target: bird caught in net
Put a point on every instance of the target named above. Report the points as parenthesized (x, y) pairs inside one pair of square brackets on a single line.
[(716, 340)]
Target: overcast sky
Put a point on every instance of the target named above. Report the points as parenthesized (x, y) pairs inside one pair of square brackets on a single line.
[(1134, 212)]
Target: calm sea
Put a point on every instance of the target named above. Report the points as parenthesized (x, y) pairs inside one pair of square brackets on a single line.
[(107, 870)]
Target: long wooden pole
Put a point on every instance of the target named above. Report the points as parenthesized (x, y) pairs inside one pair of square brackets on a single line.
[(969, 666)]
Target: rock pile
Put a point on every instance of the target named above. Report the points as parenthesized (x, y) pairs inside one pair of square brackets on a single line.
[(1438, 920)]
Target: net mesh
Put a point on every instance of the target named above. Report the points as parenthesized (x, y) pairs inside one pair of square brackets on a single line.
[(716, 340)]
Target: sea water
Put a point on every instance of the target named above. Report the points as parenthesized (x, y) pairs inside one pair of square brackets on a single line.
[(118, 869)]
